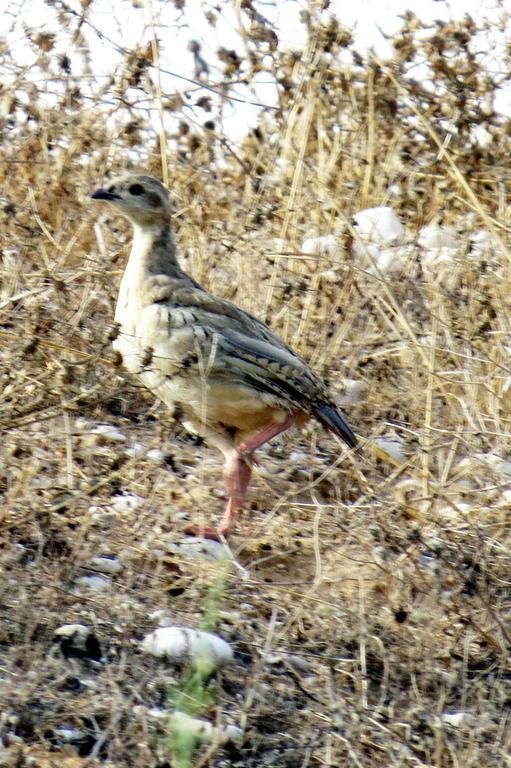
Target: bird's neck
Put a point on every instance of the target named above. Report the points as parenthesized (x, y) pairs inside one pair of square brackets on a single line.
[(153, 251)]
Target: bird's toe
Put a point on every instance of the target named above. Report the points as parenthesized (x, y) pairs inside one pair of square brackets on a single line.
[(207, 532)]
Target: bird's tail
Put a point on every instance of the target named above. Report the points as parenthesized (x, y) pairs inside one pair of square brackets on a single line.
[(331, 418)]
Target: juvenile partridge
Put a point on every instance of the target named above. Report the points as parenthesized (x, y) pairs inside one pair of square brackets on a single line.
[(233, 381)]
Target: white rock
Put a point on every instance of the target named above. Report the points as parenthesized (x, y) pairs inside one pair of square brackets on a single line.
[(103, 517), (505, 497), (277, 245), (479, 461), (77, 632), (455, 510), (182, 723), (107, 564), (379, 225), (393, 260), (298, 457), (70, 734), (162, 617), (437, 236), (330, 276), (155, 454), (496, 462), (155, 713), (454, 718), (136, 451), (109, 432), (389, 259), (384, 258), (392, 444), (183, 644), (481, 243), (194, 546), (439, 258), (481, 135), (202, 730), (324, 245), (439, 245), (125, 503), (94, 583), (351, 391), (232, 732)]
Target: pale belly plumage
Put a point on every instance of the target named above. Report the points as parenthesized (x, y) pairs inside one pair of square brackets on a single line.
[(219, 409)]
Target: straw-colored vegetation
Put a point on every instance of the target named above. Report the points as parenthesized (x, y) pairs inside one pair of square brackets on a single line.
[(369, 606)]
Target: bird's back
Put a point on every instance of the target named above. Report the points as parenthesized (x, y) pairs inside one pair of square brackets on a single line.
[(196, 337)]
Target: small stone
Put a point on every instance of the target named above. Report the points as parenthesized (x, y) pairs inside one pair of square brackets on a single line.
[(94, 583), (391, 444), (379, 225), (351, 392), (107, 564), (104, 433), (136, 451), (70, 734), (202, 730), (156, 455), (125, 503), (324, 245), (162, 617), (455, 719), (208, 549), (182, 644), (79, 641)]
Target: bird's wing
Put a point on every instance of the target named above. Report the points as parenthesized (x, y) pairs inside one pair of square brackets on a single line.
[(200, 335), (185, 293), (233, 342), (268, 367)]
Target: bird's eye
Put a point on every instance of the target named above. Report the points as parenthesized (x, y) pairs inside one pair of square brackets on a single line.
[(136, 189)]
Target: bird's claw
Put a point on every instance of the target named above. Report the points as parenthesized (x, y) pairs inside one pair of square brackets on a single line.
[(206, 532)]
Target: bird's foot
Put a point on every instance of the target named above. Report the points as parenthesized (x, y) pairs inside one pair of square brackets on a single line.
[(207, 532)]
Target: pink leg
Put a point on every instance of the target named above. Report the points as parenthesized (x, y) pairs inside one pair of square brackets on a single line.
[(237, 478), (238, 471), (272, 430)]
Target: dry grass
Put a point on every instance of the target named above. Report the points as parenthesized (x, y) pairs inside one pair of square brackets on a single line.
[(376, 596)]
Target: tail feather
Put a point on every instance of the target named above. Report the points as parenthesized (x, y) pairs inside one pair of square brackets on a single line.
[(333, 420)]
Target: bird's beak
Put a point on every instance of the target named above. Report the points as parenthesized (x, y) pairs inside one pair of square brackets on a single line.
[(104, 194)]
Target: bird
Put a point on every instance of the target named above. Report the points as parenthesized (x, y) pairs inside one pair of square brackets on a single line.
[(220, 369)]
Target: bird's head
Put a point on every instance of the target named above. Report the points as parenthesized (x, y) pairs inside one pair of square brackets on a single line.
[(141, 199)]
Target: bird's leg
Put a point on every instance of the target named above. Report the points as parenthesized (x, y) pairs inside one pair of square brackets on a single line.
[(272, 430), (238, 470)]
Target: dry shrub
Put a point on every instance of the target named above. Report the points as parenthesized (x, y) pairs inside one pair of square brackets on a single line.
[(377, 594)]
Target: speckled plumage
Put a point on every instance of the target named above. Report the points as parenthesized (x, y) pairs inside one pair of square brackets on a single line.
[(235, 382)]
